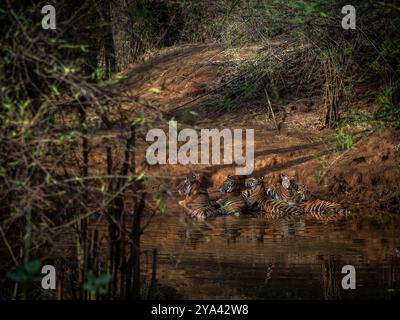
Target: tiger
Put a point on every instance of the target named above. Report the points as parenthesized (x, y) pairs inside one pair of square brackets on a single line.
[(255, 194), (286, 190), (232, 201), (197, 202), (318, 208)]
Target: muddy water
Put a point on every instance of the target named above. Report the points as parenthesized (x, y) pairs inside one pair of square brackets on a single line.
[(250, 257)]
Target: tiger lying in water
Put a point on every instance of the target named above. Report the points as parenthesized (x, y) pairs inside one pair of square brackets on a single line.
[(232, 201), (299, 195), (286, 190), (316, 207), (197, 202), (255, 194), (287, 199)]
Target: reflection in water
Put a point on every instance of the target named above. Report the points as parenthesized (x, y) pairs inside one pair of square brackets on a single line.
[(250, 257), (330, 278)]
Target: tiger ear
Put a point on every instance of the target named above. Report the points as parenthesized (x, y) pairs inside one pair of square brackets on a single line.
[(193, 178)]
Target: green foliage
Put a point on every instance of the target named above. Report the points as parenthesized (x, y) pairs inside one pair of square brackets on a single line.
[(297, 21), (28, 273), (140, 120), (189, 116), (306, 12), (155, 90), (249, 91), (385, 97), (141, 177), (388, 47), (98, 74), (388, 112), (160, 197), (97, 284), (386, 66), (362, 117), (225, 102), (343, 138)]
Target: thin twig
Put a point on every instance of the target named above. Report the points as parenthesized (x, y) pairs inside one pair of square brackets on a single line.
[(271, 110), (8, 246)]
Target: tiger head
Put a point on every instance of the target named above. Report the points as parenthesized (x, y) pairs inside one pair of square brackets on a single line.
[(253, 182), (302, 193), (288, 182), (232, 183), (186, 186)]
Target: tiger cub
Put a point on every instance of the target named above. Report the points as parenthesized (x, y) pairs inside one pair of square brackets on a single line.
[(232, 201), (197, 202), (255, 194), (318, 208), (285, 190)]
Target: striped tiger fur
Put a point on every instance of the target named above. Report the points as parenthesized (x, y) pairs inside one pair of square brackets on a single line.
[(318, 208), (232, 201), (197, 202), (286, 190), (255, 194)]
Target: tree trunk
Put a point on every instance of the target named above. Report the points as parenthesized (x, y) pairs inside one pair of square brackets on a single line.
[(107, 46), (122, 29)]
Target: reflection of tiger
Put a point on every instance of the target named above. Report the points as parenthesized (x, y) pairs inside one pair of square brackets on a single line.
[(316, 207), (196, 203), (286, 190), (255, 194), (232, 201)]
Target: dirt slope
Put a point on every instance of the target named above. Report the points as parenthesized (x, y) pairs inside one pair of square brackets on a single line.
[(182, 78)]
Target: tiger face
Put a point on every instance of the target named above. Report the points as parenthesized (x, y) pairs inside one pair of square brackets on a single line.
[(253, 182), (288, 182), (227, 186), (302, 193), (231, 184), (186, 186)]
